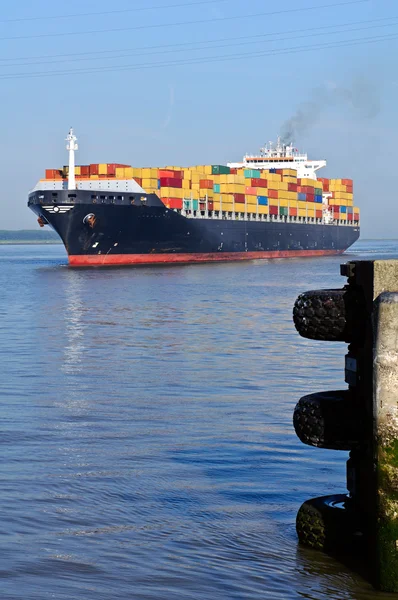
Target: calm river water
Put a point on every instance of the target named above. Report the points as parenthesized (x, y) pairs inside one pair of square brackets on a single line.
[(147, 446)]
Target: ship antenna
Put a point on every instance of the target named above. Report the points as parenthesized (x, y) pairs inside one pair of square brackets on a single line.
[(72, 147)]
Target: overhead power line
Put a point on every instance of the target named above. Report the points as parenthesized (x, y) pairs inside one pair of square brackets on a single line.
[(165, 25), (185, 44), (256, 39), (112, 12), (211, 59)]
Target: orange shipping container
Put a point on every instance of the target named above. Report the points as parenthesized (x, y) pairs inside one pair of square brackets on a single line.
[(206, 184), (251, 191)]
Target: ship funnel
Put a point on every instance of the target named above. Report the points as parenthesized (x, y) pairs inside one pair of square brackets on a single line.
[(72, 147)]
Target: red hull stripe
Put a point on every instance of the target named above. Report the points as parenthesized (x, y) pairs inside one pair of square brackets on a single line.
[(88, 260)]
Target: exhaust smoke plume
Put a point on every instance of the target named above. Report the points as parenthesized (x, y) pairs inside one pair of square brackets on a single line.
[(361, 96)]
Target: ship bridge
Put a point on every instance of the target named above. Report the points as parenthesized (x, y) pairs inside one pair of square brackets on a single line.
[(281, 156)]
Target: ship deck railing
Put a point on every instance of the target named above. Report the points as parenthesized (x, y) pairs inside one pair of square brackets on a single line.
[(234, 216)]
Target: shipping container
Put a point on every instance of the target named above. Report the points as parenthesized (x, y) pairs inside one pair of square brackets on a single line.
[(169, 182), (293, 212), (318, 214), (262, 209), (173, 202), (216, 188), (262, 200), (258, 183), (206, 184), (220, 170), (318, 199), (292, 187), (102, 169), (251, 191), (252, 173), (94, 170), (273, 193)]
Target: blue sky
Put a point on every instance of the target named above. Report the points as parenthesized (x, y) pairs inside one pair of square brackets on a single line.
[(183, 83)]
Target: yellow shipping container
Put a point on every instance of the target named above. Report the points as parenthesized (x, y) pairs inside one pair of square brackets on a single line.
[(135, 172), (336, 187), (252, 209), (261, 191), (78, 170), (273, 202), (289, 172), (251, 199), (208, 169), (283, 185), (283, 202), (302, 212), (262, 210), (292, 195), (150, 173), (301, 204), (102, 169), (349, 203), (236, 179), (271, 176), (197, 176), (128, 173), (119, 172), (168, 192), (150, 183), (94, 176), (208, 193), (310, 182)]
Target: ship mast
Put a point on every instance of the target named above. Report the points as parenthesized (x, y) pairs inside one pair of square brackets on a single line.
[(72, 147)]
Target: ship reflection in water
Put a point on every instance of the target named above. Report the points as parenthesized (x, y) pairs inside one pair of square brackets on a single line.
[(148, 449)]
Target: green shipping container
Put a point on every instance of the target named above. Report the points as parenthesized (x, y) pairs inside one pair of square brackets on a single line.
[(220, 170), (283, 211), (216, 188), (252, 174), (318, 191), (191, 204)]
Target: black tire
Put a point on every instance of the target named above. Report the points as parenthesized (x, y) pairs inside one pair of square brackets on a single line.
[(327, 523), (327, 420), (322, 315)]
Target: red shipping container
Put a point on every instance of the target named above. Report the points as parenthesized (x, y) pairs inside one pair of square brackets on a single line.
[(279, 171), (206, 184), (347, 182), (273, 194), (170, 182), (93, 169), (210, 205), (356, 216), (350, 217), (325, 187), (293, 212), (292, 187), (259, 183), (233, 171), (84, 170), (173, 202), (350, 189), (138, 180), (310, 197), (318, 214), (111, 169), (170, 173), (273, 210), (299, 181), (239, 198)]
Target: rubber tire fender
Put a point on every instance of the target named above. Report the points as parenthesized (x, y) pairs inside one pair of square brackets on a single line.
[(327, 523), (328, 420)]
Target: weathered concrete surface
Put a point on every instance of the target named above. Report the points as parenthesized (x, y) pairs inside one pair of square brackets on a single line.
[(385, 406), (385, 277)]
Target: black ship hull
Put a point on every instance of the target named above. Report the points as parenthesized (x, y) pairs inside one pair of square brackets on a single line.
[(132, 229)]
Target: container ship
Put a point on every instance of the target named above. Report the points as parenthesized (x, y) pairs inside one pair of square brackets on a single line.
[(270, 205)]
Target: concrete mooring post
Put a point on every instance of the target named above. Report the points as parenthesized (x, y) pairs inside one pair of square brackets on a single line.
[(362, 419)]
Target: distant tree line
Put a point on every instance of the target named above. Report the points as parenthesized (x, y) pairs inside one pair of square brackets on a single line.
[(29, 235)]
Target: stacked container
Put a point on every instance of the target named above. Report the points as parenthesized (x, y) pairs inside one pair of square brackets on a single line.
[(243, 191)]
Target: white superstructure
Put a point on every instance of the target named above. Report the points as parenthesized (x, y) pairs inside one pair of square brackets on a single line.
[(72, 147), (281, 156)]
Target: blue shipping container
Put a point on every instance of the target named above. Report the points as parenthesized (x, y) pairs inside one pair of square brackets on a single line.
[(343, 209), (350, 210), (158, 184), (302, 197), (216, 188), (318, 199), (272, 170), (262, 200)]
